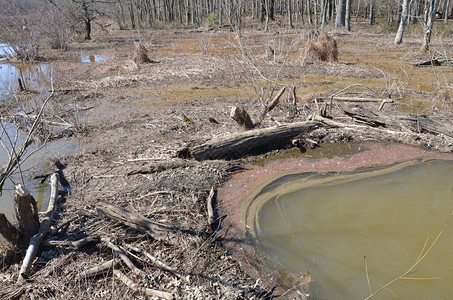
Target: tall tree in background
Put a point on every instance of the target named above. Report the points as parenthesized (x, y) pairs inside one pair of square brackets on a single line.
[(400, 32), (430, 12), (347, 20), (341, 13)]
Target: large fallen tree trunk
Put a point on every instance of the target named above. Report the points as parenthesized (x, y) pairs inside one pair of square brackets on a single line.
[(252, 142), (410, 122)]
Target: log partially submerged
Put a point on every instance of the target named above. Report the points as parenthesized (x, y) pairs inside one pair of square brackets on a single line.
[(411, 122), (252, 142), (37, 238), (155, 230)]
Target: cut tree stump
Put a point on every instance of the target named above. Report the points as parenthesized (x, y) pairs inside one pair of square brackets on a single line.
[(252, 142), (410, 122), (26, 215)]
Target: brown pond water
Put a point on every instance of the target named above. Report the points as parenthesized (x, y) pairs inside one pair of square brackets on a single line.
[(326, 223)]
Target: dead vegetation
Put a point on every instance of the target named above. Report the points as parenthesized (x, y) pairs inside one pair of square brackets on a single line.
[(324, 49), (141, 55), (140, 222)]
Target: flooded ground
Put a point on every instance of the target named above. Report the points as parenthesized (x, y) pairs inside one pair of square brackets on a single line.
[(32, 167), (36, 79), (326, 224)]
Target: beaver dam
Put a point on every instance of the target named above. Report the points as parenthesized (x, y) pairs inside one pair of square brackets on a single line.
[(331, 231)]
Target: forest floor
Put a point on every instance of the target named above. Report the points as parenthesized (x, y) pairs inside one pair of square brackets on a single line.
[(133, 119)]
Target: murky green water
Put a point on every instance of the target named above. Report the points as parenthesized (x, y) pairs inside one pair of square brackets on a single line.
[(326, 224)]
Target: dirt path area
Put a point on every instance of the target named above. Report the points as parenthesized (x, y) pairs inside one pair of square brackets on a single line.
[(134, 119)]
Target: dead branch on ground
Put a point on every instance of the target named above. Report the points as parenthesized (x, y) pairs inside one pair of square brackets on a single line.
[(155, 230), (45, 225)]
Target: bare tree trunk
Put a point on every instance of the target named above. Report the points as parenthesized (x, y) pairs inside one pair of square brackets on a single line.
[(323, 13), (430, 12), (371, 16), (310, 19), (400, 32), (290, 14), (415, 9), (340, 18), (446, 10), (132, 15), (347, 20), (315, 11)]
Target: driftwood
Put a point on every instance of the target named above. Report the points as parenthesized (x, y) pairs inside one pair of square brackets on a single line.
[(124, 258), (37, 238), (210, 209), (99, 269), (358, 99), (71, 244), (157, 262), (161, 166), (251, 142), (133, 286), (411, 122), (271, 105), (242, 118), (155, 230), (430, 62), (26, 215)]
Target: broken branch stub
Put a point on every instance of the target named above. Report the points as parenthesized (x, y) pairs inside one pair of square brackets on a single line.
[(242, 118)]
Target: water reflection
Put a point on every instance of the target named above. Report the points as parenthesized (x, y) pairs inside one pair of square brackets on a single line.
[(327, 227), (31, 167), (33, 77), (5, 51), (93, 58)]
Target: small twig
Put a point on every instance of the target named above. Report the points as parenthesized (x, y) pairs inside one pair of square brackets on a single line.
[(367, 277)]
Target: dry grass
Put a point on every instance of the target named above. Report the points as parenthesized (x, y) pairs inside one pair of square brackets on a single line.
[(325, 49), (141, 55)]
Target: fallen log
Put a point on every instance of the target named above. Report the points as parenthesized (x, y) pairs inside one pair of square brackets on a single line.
[(37, 238), (251, 142), (430, 62), (99, 269), (158, 262), (359, 99), (124, 258), (155, 230), (71, 244), (411, 122), (152, 167), (136, 288)]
